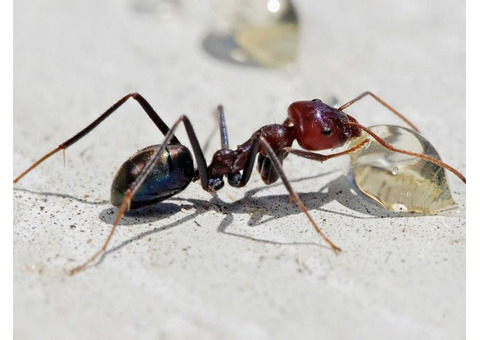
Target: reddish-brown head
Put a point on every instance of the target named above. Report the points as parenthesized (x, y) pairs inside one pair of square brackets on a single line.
[(319, 126)]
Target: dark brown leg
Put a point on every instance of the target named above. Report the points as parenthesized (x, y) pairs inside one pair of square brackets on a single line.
[(145, 105), (223, 127)]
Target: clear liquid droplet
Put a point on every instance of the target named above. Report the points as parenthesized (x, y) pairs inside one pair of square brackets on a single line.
[(255, 33), (399, 182)]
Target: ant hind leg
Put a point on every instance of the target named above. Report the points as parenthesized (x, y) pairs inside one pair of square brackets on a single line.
[(143, 103), (149, 167)]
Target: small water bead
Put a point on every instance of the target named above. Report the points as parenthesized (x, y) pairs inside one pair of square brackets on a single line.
[(255, 33), (399, 182)]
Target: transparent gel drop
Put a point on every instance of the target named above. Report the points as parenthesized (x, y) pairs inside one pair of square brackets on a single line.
[(262, 33), (399, 182)]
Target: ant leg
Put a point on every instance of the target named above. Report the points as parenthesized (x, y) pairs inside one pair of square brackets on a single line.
[(321, 158), (145, 105), (250, 162), (247, 171), (201, 164), (223, 127), (381, 101), (293, 195), (410, 153)]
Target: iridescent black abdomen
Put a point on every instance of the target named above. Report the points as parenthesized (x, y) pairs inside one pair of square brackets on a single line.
[(172, 173)]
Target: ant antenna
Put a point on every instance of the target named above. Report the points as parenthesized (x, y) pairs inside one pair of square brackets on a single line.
[(409, 153), (381, 101)]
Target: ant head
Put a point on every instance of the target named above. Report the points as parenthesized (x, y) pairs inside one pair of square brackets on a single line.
[(319, 126)]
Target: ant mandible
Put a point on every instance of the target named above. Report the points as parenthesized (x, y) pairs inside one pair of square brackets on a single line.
[(158, 172)]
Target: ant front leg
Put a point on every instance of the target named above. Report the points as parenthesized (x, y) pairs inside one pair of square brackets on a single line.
[(381, 101), (143, 103), (149, 167), (321, 158)]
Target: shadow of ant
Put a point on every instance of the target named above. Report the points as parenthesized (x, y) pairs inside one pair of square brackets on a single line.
[(336, 190), (257, 208), (64, 196)]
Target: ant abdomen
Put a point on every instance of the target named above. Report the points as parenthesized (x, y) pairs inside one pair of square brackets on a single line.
[(171, 174)]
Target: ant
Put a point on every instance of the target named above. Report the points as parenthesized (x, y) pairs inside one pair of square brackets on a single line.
[(158, 172)]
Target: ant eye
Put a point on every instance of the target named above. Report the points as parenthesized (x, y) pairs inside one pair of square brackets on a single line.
[(316, 100), (327, 132)]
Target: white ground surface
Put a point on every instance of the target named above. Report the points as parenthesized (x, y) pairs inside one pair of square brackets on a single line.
[(247, 264)]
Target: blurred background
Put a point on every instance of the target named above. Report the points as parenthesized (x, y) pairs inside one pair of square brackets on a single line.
[(401, 277)]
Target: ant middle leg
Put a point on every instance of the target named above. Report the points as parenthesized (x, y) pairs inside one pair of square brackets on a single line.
[(293, 195), (381, 101), (223, 127), (143, 103), (257, 141)]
